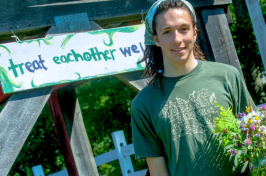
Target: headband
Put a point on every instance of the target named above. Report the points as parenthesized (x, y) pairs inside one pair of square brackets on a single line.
[(149, 18)]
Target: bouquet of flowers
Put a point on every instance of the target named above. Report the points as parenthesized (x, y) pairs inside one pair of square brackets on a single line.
[(244, 134)]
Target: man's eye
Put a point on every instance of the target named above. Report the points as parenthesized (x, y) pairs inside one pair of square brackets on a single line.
[(166, 32)]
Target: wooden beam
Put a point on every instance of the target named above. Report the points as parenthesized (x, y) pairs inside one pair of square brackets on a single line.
[(79, 141), (3, 96), (203, 42), (16, 121), (35, 13), (220, 38), (124, 161), (133, 80), (259, 27), (62, 134)]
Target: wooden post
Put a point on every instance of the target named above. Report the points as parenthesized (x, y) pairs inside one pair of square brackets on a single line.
[(203, 42), (79, 141), (124, 161), (133, 80), (220, 37), (16, 121), (259, 27), (62, 134)]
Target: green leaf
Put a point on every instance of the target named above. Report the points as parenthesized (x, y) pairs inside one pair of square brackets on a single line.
[(47, 42), (226, 121), (7, 84), (33, 85), (65, 41), (250, 147), (111, 32), (6, 49), (139, 65)]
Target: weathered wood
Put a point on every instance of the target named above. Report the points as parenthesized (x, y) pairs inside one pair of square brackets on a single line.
[(110, 156), (60, 173), (16, 121), (133, 80), (124, 161), (37, 170), (106, 157), (62, 134), (35, 13), (259, 27), (220, 37), (240, 9), (128, 150), (138, 173), (203, 42), (121, 152), (3, 96), (76, 131)]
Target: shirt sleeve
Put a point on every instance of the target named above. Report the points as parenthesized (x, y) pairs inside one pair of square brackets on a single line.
[(146, 142), (241, 95)]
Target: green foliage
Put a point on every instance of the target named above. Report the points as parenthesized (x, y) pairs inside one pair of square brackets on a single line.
[(41, 147), (105, 104), (106, 107), (226, 121)]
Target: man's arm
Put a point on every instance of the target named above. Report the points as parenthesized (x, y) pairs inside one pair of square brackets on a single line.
[(157, 166)]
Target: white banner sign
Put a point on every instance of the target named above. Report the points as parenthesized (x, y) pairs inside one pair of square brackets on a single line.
[(56, 60)]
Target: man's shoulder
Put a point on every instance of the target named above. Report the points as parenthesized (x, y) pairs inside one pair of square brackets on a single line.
[(146, 95), (219, 67)]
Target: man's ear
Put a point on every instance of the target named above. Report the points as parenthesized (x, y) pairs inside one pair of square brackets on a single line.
[(156, 40)]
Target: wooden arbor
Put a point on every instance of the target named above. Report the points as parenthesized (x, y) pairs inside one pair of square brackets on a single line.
[(30, 19)]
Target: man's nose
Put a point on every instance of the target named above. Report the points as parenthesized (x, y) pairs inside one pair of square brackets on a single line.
[(177, 36)]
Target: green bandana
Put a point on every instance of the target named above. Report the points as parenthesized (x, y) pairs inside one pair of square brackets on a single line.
[(149, 18)]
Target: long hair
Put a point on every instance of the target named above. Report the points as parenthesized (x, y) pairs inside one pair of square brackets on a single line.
[(153, 56)]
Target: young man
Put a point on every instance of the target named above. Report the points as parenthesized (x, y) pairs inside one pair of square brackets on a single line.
[(173, 120)]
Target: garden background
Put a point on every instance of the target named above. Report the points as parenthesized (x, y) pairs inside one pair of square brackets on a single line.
[(106, 104)]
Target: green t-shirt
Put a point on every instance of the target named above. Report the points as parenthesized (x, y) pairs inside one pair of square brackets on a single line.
[(179, 124)]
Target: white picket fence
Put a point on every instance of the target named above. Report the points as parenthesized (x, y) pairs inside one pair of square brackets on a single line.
[(38, 171), (121, 153)]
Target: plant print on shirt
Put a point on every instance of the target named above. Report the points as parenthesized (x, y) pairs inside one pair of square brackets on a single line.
[(192, 116)]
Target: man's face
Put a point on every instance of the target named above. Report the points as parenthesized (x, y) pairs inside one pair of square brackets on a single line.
[(175, 36)]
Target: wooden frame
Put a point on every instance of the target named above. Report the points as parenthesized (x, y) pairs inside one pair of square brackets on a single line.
[(32, 15), (259, 27), (20, 15)]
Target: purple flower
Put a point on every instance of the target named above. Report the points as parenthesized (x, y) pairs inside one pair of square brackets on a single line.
[(263, 107), (241, 115), (252, 127), (239, 144), (235, 137), (233, 151), (247, 141), (257, 135)]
